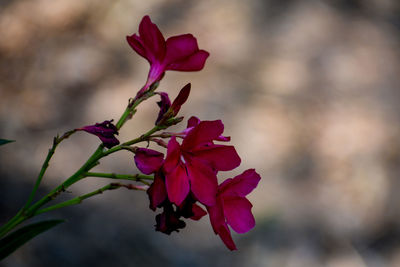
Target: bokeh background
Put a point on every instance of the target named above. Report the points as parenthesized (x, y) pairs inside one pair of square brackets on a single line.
[(308, 91)]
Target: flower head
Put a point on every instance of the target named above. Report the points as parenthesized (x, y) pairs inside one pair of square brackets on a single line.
[(150, 161), (179, 52), (192, 166), (232, 206), (106, 131)]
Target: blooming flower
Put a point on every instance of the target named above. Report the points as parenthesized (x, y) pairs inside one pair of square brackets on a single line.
[(193, 165), (179, 52), (232, 207), (168, 110), (106, 131), (149, 161)]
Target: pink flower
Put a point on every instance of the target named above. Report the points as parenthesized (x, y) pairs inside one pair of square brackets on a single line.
[(233, 208), (179, 52), (193, 165), (106, 131), (150, 161)]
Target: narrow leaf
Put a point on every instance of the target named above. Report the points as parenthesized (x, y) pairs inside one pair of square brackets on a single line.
[(5, 141), (16, 239)]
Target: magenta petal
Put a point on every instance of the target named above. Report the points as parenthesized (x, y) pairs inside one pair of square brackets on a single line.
[(173, 155), (219, 226), (203, 182), (193, 121), (157, 192), (237, 211), (177, 184), (240, 185), (216, 215), (106, 131), (194, 62), (180, 99), (153, 39), (223, 138), (180, 47), (221, 157), (148, 161), (135, 42), (204, 133), (226, 237), (198, 212)]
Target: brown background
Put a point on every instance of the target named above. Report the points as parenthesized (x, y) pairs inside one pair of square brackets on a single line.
[(308, 91)]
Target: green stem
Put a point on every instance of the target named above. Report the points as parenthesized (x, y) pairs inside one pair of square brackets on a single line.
[(90, 163), (131, 108), (142, 138), (20, 216), (57, 140), (78, 200), (136, 177)]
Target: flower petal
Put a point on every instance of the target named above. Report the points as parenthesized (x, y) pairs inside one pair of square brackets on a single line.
[(106, 131), (221, 157), (241, 185), (136, 43), (194, 62), (202, 134), (198, 212), (177, 183), (193, 121), (157, 192), (216, 215), (153, 40), (203, 181), (225, 235), (148, 161), (237, 211), (180, 47), (173, 155)]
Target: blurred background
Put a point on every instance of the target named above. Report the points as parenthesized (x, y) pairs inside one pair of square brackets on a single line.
[(308, 91)]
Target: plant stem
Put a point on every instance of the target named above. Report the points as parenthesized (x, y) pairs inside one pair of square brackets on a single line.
[(136, 177), (130, 110), (142, 138), (78, 200), (57, 140)]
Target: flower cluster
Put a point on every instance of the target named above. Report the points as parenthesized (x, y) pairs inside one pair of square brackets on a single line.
[(185, 181)]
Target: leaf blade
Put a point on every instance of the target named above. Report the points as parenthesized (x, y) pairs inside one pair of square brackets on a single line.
[(5, 141), (13, 241)]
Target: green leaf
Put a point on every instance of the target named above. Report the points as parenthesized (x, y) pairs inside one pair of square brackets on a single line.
[(16, 239), (5, 141)]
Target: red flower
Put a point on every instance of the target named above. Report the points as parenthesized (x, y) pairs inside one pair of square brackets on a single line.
[(177, 53), (232, 206), (106, 131), (193, 165), (150, 161)]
